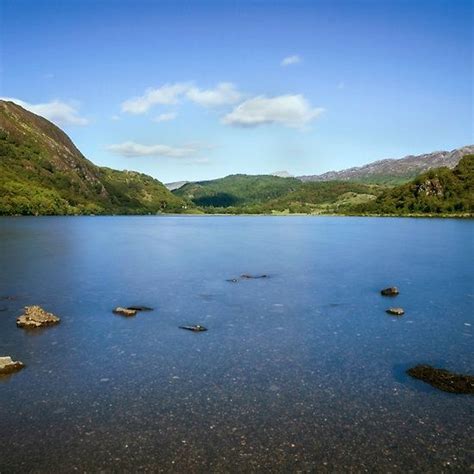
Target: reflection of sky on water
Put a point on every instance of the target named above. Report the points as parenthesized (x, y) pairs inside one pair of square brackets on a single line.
[(302, 370)]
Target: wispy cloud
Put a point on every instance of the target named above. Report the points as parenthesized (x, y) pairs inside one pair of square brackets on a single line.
[(132, 150), (60, 113), (167, 94), (288, 110), (165, 117), (223, 94), (289, 60)]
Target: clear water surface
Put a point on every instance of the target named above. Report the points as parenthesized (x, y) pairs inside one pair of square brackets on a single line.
[(300, 371)]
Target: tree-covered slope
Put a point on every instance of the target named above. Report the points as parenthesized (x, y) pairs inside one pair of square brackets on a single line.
[(42, 172), (237, 190), (313, 198), (438, 191)]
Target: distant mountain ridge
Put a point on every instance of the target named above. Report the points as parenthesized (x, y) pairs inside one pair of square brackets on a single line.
[(42, 172), (395, 171)]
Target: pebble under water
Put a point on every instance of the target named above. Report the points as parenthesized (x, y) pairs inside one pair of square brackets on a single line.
[(302, 370)]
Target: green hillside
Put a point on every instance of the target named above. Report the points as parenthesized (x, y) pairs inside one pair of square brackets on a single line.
[(43, 173), (438, 191), (243, 194), (237, 190)]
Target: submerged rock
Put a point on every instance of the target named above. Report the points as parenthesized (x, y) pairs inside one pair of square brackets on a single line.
[(8, 366), (443, 379), (195, 328), (396, 311), (139, 308), (253, 277), (36, 317), (125, 311), (392, 291)]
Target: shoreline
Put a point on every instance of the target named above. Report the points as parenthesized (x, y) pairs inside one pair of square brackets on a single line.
[(397, 216)]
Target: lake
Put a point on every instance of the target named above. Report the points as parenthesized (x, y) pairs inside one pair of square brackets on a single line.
[(303, 370)]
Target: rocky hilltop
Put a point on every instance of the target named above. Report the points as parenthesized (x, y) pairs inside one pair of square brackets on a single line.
[(42, 172), (395, 171)]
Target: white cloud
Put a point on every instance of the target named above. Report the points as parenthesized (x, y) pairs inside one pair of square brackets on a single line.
[(58, 112), (115, 117), (132, 149), (289, 60), (225, 93), (289, 110), (165, 117), (167, 94)]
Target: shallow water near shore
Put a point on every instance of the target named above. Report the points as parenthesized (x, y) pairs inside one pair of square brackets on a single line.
[(303, 370)]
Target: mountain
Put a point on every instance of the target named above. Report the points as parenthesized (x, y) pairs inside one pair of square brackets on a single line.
[(42, 172), (175, 185), (395, 171), (438, 191), (236, 190), (282, 174)]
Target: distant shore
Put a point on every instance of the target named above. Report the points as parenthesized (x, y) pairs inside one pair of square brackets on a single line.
[(274, 214)]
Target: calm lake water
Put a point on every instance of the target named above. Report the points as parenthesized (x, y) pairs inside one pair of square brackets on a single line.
[(300, 371)]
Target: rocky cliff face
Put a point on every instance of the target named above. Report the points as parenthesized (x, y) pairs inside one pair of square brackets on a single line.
[(396, 170)]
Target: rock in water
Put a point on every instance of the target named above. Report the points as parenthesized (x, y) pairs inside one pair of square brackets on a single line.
[(253, 277), (36, 317), (139, 308), (443, 379), (396, 311), (392, 291), (125, 311), (196, 328), (8, 366)]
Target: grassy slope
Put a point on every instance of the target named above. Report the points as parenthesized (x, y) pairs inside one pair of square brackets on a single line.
[(42, 172)]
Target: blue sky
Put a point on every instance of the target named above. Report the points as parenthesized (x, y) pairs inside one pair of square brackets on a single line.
[(189, 90)]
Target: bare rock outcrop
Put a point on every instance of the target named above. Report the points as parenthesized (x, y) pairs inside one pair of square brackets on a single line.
[(9, 366), (36, 317)]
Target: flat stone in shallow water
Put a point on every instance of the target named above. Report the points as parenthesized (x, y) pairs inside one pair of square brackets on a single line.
[(391, 291), (36, 317), (396, 311), (443, 379), (195, 328), (125, 311), (139, 308), (252, 277), (8, 366)]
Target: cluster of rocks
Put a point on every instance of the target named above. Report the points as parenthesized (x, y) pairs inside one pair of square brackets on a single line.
[(133, 310), (393, 291), (33, 317), (36, 317), (438, 378)]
